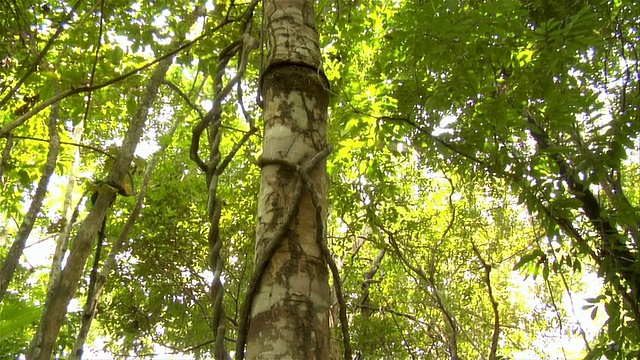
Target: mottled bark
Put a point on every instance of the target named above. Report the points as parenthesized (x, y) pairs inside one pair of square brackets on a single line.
[(290, 310), (69, 214)]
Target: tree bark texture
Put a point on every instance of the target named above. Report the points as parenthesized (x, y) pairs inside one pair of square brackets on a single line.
[(289, 316)]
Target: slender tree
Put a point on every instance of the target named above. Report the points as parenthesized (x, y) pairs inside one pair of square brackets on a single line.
[(11, 263), (61, 292)]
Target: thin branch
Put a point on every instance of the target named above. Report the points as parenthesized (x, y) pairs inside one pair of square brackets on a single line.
[(452, 220), (6, 156), (236, 147), (42, 54), (245, 113), (95, 61), (5, 130), (184, 97), (420, 129), (13, 256), (94, 296), (494, 304), (453, 343), (573, 310), (243, 45), (613, 248), (196, 108), (365, 300), (556, 310), (59, 296), (84, 146)]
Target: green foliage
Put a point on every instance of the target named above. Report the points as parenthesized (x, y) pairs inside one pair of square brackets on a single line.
[(467, 138), (16, 319), (462, 84)]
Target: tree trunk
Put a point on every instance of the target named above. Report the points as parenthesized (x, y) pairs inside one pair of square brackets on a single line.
[(10, 263), (290, 310), (60, 293)]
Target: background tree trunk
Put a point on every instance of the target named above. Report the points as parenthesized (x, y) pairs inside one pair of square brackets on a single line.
[(60, 293), (289, 313), (10, 263)]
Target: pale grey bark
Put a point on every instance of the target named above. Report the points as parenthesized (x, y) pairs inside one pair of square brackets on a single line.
[(68, 214)]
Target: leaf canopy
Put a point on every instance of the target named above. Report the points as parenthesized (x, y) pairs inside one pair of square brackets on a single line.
[(483, 196)]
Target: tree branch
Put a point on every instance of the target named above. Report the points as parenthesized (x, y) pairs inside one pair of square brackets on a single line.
[(5, 130), (494, 304)]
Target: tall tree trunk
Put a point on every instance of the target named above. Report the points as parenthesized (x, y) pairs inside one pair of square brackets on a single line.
[(119, 246), (10, 263), (60, 292), (289, 315)]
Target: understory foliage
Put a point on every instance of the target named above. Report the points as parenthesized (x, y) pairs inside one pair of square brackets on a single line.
[(483, 184)]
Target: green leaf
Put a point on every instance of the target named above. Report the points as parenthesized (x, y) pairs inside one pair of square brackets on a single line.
[(16, 319), (527, 258), (116, 56), (595, 300), (595, 354), (48, 89), (25, 180)]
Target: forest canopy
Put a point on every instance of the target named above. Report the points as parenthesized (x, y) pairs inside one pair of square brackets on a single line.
[(480, 198)]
